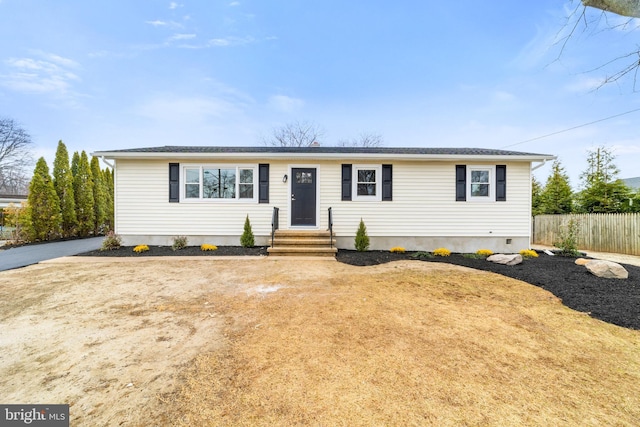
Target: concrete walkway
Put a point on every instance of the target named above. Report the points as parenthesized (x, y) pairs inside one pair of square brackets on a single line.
[(619, 258), (33, 254)]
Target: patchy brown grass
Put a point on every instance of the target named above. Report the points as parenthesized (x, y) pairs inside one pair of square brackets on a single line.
[(408, 344)]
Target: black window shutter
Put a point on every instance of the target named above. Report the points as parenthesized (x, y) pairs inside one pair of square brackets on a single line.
[(501, 183), (346, 182), (263, 183), (174, 182), (387, 183), (461, 183)]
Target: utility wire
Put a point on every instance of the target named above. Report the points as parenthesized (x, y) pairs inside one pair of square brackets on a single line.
[(575, 127)]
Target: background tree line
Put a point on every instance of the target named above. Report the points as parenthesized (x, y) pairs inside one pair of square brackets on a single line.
[(602, 191), (76, 201)]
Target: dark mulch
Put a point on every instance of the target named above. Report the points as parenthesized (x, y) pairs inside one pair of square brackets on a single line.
[(610, 300), (127, 251)]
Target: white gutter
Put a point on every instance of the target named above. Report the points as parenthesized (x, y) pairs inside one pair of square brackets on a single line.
[(319, 156), (542, 163), (111, 165)]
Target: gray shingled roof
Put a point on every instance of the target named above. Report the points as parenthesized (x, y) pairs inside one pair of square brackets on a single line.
[(332, 150)]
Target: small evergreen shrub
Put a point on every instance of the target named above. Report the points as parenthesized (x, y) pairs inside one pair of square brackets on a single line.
[(567, 240), (442, 252), (141, 248), (528, 253), (111, 242), (484, 252), (247, 240), (422, 255), (362, 239), (179, 242), (397, 250), (474, 256), (207, 247)]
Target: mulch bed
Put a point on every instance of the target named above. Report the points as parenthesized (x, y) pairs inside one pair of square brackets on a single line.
[(610, 300)]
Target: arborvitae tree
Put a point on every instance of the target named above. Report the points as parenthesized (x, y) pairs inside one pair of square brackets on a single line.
[(557, 197), (63, 183), (83, 190), (602, 192), (362, 238), (44, 204), (247, 239), (107, 176), (536, 197), (75, 161), (99, 197)]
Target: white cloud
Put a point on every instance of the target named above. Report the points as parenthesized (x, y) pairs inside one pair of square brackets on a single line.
[(157, 23), (230, 41), (234, 3), (285, 103), (174, 5), (47, 73), (182, 37), (583, 84)]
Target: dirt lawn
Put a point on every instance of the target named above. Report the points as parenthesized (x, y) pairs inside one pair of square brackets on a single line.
[(306, 342)]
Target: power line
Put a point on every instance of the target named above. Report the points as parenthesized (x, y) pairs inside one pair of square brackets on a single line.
[(575, 127)]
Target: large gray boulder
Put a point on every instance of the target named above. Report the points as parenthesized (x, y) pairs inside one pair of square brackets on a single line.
[(607, 269), (512, 259)]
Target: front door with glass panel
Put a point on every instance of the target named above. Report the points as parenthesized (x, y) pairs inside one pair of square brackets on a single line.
[(303, 196)]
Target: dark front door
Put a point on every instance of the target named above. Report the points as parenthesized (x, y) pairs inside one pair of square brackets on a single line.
[(303, 196)]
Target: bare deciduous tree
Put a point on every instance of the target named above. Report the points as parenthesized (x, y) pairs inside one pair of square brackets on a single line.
[(15, 157), (629, 8), (622, 65), (365, 139), (295, 134)]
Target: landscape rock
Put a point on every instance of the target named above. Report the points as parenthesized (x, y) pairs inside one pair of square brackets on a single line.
[(512, 259), (607, 269), (582, 261)]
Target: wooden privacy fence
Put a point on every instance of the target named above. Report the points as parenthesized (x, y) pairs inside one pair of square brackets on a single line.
[(618, 233)]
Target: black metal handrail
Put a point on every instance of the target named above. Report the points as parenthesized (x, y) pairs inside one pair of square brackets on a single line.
[(330, 227), (275, 223)]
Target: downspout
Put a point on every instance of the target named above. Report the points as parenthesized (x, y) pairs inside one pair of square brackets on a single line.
[(544, 162), (111, 165)]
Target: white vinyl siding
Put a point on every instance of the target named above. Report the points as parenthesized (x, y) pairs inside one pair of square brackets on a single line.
[(423, 202)]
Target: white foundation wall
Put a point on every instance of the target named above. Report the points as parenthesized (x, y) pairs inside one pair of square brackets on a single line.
[(422, 216)]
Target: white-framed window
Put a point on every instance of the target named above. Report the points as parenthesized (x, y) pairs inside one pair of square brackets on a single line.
[(367, 182), (480, 183), (220, 182)]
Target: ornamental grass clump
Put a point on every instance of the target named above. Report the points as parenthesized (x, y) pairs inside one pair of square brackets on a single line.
[(207, 247), (141, 248), (111, 242), (442, 252), (179, 242), (397, 250), (484, 252), (528, 253), (422, 255)]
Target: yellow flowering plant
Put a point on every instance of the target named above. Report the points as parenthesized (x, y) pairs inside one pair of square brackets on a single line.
[(528, 253), (485, 252), (397, 250), (208, 247), (442, 252), (140, 248)]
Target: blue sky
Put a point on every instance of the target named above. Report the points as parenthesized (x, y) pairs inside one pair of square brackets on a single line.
[(103, 75)]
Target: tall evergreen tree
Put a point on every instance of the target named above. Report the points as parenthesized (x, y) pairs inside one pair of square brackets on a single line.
[(107, 175), (83, 190), (99, 196), (63, 183), (536, 197), (75, 161), (557, 197), (603, 191), (44, 204)]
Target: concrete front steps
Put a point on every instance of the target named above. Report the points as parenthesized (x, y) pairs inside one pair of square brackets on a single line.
[(302, 243)]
